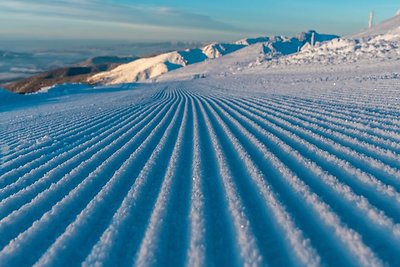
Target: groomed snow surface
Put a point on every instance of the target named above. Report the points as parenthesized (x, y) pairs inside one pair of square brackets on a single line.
[(295, 168)]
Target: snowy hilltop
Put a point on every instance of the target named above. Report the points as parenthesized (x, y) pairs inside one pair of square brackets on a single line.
[(149, 68), (146, 68), (380, 43), (253, 54)]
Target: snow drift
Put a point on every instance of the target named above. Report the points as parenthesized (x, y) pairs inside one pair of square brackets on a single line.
[(380, 43)]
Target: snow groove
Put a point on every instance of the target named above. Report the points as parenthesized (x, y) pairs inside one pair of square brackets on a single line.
[(192, 175)]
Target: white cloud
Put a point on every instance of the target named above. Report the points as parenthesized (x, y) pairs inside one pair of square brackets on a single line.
[(94, 10)]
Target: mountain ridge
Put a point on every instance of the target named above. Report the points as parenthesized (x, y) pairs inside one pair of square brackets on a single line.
[(154, 67)]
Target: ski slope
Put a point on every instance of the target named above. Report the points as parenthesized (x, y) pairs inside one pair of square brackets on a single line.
[(264, 168)]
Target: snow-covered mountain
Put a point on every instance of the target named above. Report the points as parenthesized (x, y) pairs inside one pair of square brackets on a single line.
[(256, 51), (223, 66), (148, 68), (141, 69)]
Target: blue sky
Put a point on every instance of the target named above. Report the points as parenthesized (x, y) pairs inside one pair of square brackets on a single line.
[(163, 20)]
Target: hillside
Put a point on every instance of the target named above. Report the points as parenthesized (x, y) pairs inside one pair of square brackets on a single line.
[(74, 74), (149, 68), (390, 26), (256, 51), (381, 43)]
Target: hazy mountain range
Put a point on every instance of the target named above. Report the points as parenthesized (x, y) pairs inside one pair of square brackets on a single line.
[(147, 67), (19, 59)]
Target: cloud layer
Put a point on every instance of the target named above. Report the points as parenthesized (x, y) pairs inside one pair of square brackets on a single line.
[(100, 11)]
